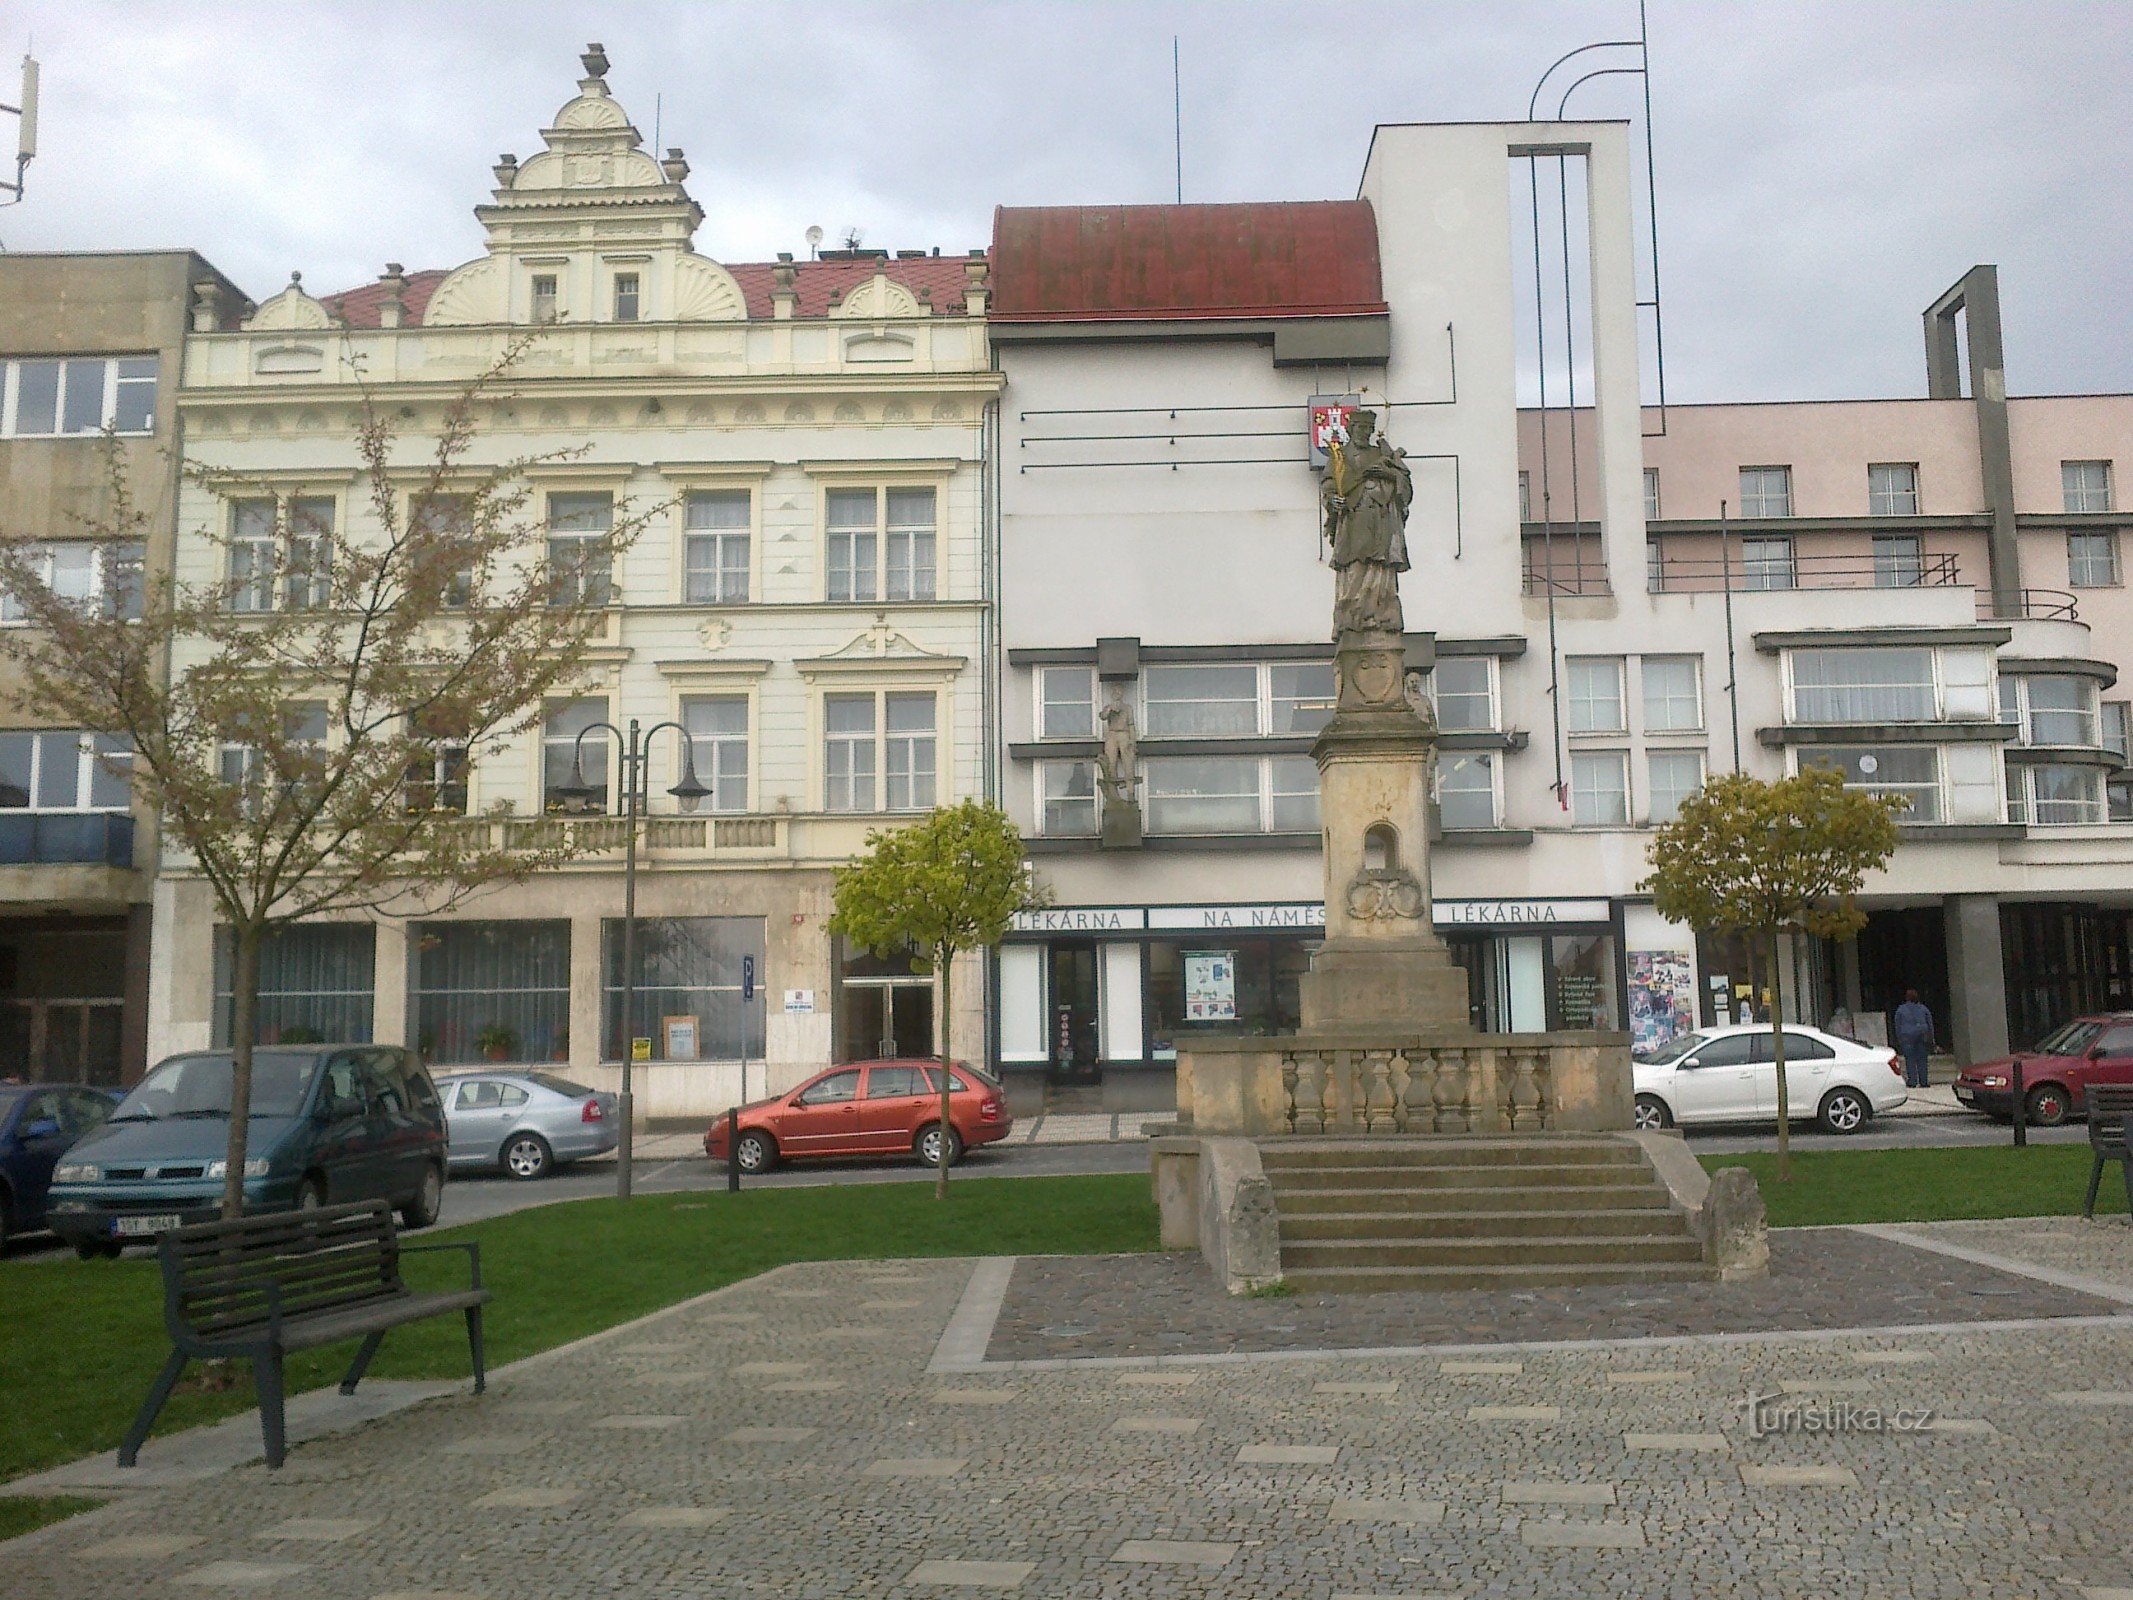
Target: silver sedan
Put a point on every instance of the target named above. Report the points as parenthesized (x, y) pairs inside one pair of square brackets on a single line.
[(528, 1123)]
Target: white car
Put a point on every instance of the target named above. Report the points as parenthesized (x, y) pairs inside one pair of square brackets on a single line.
[(1727, 1075)]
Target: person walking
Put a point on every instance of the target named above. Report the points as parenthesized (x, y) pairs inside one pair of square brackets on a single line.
[(1914, 1038)]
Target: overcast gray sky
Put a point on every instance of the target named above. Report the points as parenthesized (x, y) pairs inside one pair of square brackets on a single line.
[(1825, 167)]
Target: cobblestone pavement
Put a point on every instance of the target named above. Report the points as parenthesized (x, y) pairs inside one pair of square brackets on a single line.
[(785, 1438)]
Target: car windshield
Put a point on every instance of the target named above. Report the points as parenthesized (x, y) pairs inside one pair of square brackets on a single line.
[(199, 1086), (555, 1085), (2070, 1040), (1673, 1050)]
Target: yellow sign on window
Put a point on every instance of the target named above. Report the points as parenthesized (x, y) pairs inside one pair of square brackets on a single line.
[(640, 1049)]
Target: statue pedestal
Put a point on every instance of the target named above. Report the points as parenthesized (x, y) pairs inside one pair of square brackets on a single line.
[(1121, 829), (1383, 963)]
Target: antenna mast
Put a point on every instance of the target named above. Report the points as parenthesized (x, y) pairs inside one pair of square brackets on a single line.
[(1177, 115), (26, 134)]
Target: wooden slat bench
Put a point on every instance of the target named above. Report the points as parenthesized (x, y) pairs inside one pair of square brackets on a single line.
[(2109, 1106), (263, 1286)]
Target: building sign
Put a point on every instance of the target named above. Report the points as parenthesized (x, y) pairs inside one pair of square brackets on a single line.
[(1328, 421), (1517, 913), (1210, 986), (1241, 917), (1302, 915), (799, 1002), (1081, 919)]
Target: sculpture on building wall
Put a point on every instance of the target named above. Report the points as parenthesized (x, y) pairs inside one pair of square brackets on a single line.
[(1365, 495), (1115, 768)]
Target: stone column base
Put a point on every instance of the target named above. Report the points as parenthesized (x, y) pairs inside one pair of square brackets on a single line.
[(1384, 983)]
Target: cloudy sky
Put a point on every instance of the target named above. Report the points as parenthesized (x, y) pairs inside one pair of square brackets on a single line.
[(1825, 167)]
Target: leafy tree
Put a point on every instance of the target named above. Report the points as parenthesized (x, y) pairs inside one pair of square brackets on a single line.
[(1752, 857), (948, 883), (302, 726)]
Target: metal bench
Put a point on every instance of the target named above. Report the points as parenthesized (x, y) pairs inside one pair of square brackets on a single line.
[(2109, 1106), (263, 1286)]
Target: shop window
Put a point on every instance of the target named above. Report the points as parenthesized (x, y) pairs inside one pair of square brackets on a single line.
[(884, 1006), (491, 991), (316, 984), (1209, 984), (688, 970), (1909, 770), (1464, 690), (1584, 983)]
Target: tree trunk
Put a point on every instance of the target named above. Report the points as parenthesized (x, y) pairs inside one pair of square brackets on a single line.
[(1777, 1054), (244, 1022), (946, 961)]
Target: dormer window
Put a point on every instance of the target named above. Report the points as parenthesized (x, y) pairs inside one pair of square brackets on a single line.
[(544, 297), (625, 297)]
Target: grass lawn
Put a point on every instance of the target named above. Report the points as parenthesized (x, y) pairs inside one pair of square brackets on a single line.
[(83, 1339), (22, 1513), (1828, 1186)]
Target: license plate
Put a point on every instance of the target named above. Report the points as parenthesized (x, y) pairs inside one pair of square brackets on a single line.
[(142, 1227), (1962, 1094)]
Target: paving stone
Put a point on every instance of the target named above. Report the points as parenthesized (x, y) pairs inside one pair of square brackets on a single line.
[(643, 1421), (1286, 1455), (2092, 1397), (531, 1497), (730, 1316), (1894, 1358), (1156, 1425), (240, 1574), (2089, 1591), (318, 1530), (974, 1397), (1798, 1477), (771, 1369), (1386, 1388), (915, 1467), (807, 1386), (139, 1547), (1158, 1380), (1673, 1441), (1826, 1385), (676, 1516), (972, 1574), (1631, 1378), (494, 1444), (1513, 1414), (655, 1347), (801, 1294), (1973, 1427), (1470, 1369), (1176, 1552), (1530, 1493), (1581, 1535), (770, 1435), (890, 1305), (1414, 1513)]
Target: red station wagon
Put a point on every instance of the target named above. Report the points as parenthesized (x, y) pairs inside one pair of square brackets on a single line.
[(2056, 1073), (870, 1108)]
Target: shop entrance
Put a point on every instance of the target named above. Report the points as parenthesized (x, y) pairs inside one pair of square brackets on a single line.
[(62, 1000), (1075, 1042), (884, 1009)]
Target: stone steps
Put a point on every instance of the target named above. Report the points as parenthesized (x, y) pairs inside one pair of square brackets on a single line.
[(1586, 1175), (1439, 1280), (1496, 1197), (1497, 1250), (1306, 1154), (1308, 1226)]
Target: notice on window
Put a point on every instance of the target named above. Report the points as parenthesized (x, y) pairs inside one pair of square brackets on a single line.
[(1662, 997), (1210, 986)]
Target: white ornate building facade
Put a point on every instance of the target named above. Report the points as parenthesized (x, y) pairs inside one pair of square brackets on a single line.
[(809, 602)]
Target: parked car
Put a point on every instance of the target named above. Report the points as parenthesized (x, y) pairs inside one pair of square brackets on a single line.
[(330, 1123), (1729, 1075), (869, 1108), (528, 1123), (2056, 1073), (39, 1122)]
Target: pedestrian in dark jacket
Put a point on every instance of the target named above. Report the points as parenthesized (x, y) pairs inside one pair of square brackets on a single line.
[(1914, 1038)]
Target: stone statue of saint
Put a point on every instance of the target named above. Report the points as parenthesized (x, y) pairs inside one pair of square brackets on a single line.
[(1365, 495), (1115, 774)]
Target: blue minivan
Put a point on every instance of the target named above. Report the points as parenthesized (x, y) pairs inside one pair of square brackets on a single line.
[(330, 1123)]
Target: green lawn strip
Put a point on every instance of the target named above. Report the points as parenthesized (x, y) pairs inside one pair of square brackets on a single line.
[(26, 1513), (1935, 1185), (83, 1339)]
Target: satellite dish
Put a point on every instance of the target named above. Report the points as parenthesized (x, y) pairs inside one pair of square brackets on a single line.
[(814, 239)]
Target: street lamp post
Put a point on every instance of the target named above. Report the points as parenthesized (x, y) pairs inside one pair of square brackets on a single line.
[(636, 785)]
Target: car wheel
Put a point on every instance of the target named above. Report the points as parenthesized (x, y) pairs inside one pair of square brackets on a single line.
[(1652, 1114), (526, 1155), (2047, 1105), (87, 1252), (111, 1250), (311, 1195), (928, 1145), (421, 1211), (1845, 1111), (757, 1151)]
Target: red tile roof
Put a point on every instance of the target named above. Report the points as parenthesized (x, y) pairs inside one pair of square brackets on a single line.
[(359, 307), (1315, 258)]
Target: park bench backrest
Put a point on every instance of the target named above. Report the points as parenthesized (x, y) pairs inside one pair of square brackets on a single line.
[(215, 1274), (2109, 1105)]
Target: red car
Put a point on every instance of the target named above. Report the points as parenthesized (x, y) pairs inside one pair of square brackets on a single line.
[(870, 1108), (2056, 1073)]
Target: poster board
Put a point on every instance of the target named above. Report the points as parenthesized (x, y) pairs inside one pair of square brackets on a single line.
[(1662, 997), (683, 1038), (1210, 986)]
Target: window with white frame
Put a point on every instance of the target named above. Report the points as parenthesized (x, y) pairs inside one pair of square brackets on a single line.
[(1599, 788), (2118, 799), (1466, 788), (2055, 794), (1066, 702), (1292, 794), (1767, 563), (880, 543), (1231, 794), (1218, 700), (1651, 494), (1892, 489), (449, 519), (1299, 696), (579, 524), (564, 757), (2086, 485), (1068, 798), (1525, 497), (715, 547), (1673, 693), (889, 733), (627, 298), (2051, 709), (304, 728), (1464, 691), (282, 544), (1595, 693), (1674, 776), (545, 307), (2092, 558), (1766, 491), (2117, 726), (437, 773), (718, 739), (1909, 770), (1863, 685), (104, 576), (1899, 560), (58, 396), (64, 769)]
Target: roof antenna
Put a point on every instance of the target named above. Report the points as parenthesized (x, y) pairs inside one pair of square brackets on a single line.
[(658, 105), (26, 134), (814, 241), (1177, 115)]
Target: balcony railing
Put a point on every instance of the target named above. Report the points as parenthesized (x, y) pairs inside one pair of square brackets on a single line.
[(697, 835), (1703, 575), (66, 838), (2030, 605)]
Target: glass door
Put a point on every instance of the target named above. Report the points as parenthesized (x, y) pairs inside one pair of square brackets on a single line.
[(1074, 1037)]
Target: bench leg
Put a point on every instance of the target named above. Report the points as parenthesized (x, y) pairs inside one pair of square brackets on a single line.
[(361, 1364), (266, 1378), (158, 1395), (2088, 1204), (481, 1370)]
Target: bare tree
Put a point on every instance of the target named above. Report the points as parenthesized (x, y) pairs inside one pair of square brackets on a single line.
[(303, 725)]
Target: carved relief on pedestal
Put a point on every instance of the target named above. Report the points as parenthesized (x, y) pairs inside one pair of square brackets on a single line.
[(1385, 895)]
